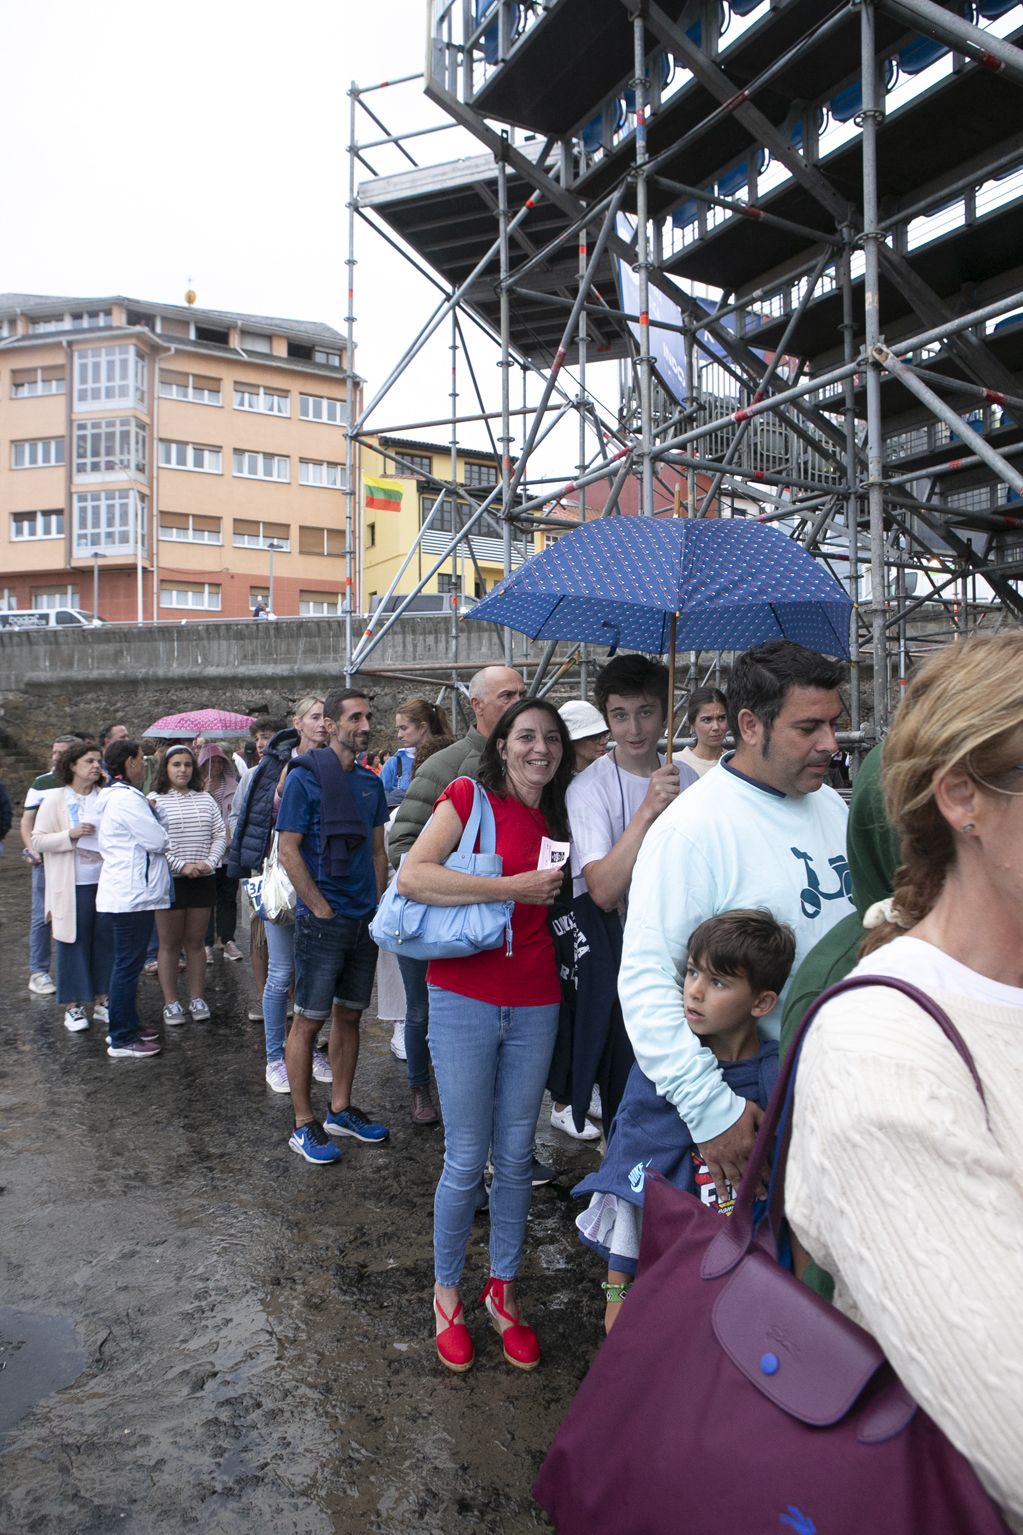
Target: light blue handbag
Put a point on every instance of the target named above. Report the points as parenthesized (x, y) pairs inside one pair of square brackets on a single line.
[(450, 932)]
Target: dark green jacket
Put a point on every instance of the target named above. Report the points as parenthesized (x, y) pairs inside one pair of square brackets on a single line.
[(873, 850), (459, 760)]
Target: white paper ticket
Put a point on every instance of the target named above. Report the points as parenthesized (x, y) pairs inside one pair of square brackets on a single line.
[(553, 854)]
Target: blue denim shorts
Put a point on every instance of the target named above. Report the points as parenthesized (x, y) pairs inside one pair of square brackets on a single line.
[(335, 962)]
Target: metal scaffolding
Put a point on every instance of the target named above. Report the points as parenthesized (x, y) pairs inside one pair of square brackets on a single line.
[(820, 217)]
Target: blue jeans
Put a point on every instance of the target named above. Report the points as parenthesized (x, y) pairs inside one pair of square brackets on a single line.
[(83, 967), (491, 1065), (280, 972), (417, 1016), (132, 932), (39, 932)]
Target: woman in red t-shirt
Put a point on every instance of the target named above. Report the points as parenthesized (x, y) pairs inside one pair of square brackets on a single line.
[(494, 1016)]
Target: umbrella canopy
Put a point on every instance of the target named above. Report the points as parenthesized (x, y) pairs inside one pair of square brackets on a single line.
[(621, 580), (199, 722)]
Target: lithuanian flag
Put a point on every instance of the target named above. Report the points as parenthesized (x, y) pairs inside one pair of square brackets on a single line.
[(382, 495)]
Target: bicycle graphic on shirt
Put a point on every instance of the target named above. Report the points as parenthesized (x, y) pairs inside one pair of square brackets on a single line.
[(812, 896)]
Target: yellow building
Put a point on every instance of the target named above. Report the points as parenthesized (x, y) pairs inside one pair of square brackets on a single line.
[(401, 481), (172, 460)]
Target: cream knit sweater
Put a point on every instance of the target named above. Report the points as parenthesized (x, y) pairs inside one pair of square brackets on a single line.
[(898, 1188)]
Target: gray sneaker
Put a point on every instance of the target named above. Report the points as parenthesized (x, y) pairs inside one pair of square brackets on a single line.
[(277, 1076), (41, 984), (321, 1067), (173, 1013), (199, 1010)]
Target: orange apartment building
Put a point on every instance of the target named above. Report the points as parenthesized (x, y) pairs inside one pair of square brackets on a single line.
[(172, 460)]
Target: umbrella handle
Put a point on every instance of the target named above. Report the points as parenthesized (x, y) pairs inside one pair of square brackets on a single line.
[(669, 743)]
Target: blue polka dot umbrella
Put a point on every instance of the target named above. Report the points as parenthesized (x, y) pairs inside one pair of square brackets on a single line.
[(675, 584)]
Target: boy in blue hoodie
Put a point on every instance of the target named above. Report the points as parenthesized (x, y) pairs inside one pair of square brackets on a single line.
[(737, 964)]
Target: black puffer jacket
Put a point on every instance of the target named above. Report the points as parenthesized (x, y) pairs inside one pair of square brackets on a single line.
[(255, 818)]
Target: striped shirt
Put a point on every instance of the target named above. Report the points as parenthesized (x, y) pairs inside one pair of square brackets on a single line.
[(195, 826)]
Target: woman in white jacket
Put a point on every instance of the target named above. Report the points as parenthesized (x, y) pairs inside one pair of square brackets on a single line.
[(134, 883)]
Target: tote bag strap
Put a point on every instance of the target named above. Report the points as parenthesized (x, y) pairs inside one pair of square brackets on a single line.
[(480, 823), (737, 1233)]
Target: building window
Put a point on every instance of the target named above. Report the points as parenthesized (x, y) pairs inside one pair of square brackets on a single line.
[(488, 526), (82, 319), (259, 535), (197, 387), (320, 407), (268, 402), (319, 604), (26, 525), (37, 453), (259, 594), (190, 528), (254, 341), (261, 466), (329, 359), (191, 594), (371, 535), (115, 445), (30, 381), (104, 373), (50, 597), (8, 599), (480, 475), (316, 472), (169, 326), (107, 519), (191, 455), (413, 463), (218, 334), (321, 541)]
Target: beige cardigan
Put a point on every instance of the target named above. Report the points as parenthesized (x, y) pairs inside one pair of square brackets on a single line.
[(899, 1187), (51, 836)]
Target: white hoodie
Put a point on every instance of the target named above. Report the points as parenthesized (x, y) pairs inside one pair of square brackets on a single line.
[(135, 874)]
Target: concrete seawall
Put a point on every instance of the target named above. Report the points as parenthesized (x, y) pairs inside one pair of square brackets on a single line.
[(57, 680)]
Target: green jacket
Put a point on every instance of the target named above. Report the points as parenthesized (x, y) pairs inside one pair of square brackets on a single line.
[(459, 760), (873, 850)]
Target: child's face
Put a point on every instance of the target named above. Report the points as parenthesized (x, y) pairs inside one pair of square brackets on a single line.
[(720, 1004)]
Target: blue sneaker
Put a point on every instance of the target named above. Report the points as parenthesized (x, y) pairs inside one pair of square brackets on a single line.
[(353, 1121), (311, 1143)]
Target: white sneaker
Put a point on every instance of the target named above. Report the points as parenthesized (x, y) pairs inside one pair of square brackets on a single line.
[(41, 984), (596, 1108), (561, 1119), (321, 1067), (398, 1041), (199, 1010), (76, 1019), (100, 1013), (277, 1076), (173, 1013)]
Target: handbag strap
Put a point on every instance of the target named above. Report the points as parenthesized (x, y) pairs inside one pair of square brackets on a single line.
[(738, 1232), (480, 823)]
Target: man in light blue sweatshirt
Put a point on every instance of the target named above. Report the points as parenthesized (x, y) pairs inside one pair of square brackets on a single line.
[(759, 830)]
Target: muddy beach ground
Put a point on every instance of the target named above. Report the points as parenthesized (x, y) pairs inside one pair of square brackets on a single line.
[(243, 1341)]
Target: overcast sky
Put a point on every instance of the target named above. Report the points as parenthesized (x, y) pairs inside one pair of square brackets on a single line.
[(156, 145)]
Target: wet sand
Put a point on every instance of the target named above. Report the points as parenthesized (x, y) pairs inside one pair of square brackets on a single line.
[(198, 1330)]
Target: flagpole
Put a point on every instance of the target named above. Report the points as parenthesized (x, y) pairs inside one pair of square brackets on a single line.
[(671, 688)]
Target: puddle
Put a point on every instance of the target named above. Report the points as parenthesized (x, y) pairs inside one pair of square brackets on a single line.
[(38, 1355)]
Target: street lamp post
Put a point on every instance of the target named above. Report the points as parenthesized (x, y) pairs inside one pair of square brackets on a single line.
[(97, 555), (273, 546)]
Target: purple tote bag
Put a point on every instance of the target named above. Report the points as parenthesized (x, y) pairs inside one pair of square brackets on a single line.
[(730, 1399)]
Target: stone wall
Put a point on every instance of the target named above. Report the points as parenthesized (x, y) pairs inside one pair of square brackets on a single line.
[(58, 680)]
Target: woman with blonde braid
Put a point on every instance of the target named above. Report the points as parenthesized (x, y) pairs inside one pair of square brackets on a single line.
[(900, 1183)]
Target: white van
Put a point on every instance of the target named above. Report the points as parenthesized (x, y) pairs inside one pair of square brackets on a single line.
[(47, 618)]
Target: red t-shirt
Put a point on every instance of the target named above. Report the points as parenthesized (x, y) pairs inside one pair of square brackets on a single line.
[(529, 976)]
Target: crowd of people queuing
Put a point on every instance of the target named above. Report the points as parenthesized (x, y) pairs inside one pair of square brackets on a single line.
[(707, 898)]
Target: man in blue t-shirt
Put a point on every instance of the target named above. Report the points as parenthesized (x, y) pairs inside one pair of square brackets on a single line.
[(331, 824)]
